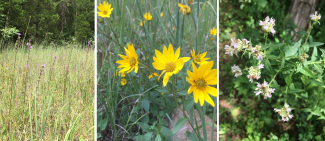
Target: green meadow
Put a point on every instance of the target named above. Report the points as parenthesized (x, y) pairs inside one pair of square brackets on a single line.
[(47, 92)]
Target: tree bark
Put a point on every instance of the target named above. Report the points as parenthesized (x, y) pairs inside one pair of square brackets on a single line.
[(299, 13)]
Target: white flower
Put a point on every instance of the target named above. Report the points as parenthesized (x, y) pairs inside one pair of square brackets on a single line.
[(260, 66), (236, 70), (264, 89), (284, 112), (268, 25), (315, 17)]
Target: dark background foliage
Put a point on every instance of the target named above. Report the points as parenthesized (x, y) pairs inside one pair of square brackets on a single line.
[(244, 116), (53, 20)]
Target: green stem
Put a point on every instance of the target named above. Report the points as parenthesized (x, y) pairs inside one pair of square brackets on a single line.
[(309, 32), (266, 38), (274, 76)]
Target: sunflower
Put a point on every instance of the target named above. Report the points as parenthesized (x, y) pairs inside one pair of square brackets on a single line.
[(186, 10), (141, 23), (105, 10), (168, 62), (123, 81), (213, 31), (200, 79), (130, 61), (147, 16), (199, 58), (152, 75)]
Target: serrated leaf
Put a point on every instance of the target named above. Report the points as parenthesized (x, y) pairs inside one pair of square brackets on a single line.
[(318, 68), (307, 72), (145, 103), (179, 124), (267, 65), (293, 50)]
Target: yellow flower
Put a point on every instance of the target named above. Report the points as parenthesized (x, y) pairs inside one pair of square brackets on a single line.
[(147, 16), (123, 81), (213, 31), (122, 74), (130, 61), (168, 62), (161, 14), (190, 1), (199, 58), (152, 75), (105, 10), (141, 23), (200, 79), (186, 10)]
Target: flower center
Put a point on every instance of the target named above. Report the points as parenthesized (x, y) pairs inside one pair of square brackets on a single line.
[(197, 58), (105, 12), (133, 62), (170, 66), (200, 83)]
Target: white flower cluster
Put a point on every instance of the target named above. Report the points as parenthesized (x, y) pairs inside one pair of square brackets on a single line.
[(257, 53), (239, 45), (315, 17), (264, 89), (236, 45), (284, 112), (236, 70), (268, 25), (255, 72)]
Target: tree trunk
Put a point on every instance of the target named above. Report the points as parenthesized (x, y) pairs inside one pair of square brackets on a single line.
[(299, 13)]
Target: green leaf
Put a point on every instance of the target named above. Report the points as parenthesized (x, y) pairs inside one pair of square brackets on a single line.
[(161, 89), (188, 104), (318, 68), (179, 124), (321, 84), (310, 115), (192, 136), (282, 63), (144, 126), (296, 91), (166, 132), (307, 72), (145, 104), (147, 136), (315, 44), (158, 138), (288, 79), (267, 65), (101, 122), (293, 50), (314, 55)]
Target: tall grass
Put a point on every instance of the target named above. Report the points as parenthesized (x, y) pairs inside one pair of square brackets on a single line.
[(123, 109), (51, 102)]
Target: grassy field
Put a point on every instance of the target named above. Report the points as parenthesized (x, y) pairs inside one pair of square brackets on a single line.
[(47, 92)]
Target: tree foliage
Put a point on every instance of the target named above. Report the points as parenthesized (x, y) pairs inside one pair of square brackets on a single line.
[(49, 19)]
